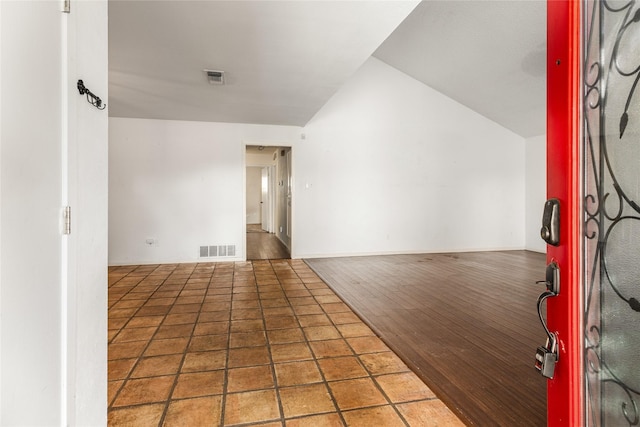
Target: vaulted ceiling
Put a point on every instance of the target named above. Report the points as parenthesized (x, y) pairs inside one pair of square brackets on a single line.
[(487, 55), (283, 60)]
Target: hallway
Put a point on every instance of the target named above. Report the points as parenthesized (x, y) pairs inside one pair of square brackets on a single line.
[(264, 245), (262, 343)]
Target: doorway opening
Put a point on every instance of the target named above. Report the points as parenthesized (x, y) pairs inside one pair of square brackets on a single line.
[(268, 202)]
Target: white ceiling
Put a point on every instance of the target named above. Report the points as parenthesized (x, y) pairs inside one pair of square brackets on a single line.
[(285, 59), (487, 55)]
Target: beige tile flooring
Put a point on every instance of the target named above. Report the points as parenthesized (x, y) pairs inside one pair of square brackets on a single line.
[(262, 343)]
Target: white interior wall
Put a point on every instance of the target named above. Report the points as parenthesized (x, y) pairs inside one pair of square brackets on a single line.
[(180, 185), (1, 223), (52, 287), (390, 165), (88, 198), (30, 194), (265, 158), (536, 181)]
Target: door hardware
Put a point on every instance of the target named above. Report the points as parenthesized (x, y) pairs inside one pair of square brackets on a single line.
[(552, 278), (547, 356), (66, 220), (91, 97), (550, 231)]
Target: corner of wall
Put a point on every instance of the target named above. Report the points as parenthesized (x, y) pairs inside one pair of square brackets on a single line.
[(386, 167), (535, 191)]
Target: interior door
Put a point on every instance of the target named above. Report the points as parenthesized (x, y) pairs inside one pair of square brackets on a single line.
[(31, 150), (53, 153), (265, 202), (288, 190), (593, 156)]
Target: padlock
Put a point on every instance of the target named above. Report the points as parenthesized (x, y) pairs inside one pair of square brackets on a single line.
[(546, 358)]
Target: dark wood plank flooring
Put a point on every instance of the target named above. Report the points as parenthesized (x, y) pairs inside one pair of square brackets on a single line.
[(263, 245), (466, 323)]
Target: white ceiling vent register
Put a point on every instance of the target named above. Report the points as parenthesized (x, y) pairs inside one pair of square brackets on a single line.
[(215, 77), (217, 251)]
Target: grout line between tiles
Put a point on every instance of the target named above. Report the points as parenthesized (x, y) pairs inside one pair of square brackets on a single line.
[(268, 344), (139, 358), (184, 353), (315, 358), (289, 281)]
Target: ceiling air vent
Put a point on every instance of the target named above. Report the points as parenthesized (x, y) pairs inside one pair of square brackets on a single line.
[(215, 77)]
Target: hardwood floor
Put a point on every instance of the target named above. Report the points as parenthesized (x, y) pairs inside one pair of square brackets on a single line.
[(466, 323), (263, 245)]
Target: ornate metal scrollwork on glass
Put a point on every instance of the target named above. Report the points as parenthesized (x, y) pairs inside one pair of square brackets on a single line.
[(611, 156)]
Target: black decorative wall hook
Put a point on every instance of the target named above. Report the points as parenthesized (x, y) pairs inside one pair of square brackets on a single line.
[(91, 98)]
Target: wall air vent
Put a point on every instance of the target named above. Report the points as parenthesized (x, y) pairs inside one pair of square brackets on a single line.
[(217, 251), (215, 77)]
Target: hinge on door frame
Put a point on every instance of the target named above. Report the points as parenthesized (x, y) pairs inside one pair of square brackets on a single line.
[(67, 220), (66, 6)]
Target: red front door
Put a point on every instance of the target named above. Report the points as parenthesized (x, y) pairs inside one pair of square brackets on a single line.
[(593, 159), (564, 402)]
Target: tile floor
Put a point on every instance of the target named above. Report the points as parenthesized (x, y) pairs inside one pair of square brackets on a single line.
[(262, 343)]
